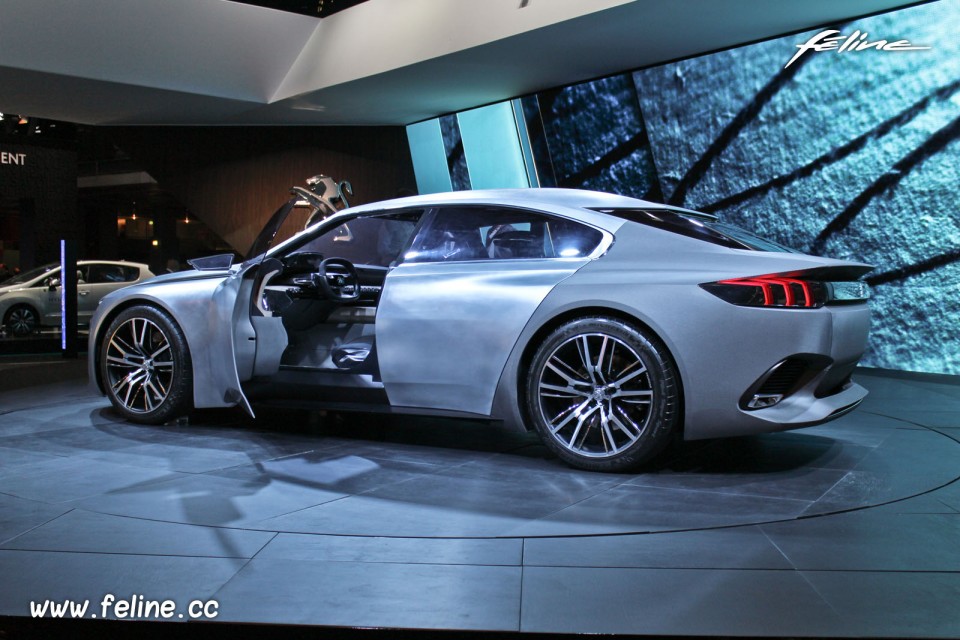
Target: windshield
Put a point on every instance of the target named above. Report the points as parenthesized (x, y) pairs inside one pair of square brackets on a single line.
[(33, 274)]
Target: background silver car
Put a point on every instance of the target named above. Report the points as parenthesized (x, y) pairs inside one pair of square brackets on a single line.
[(607, 324), (32, 299)]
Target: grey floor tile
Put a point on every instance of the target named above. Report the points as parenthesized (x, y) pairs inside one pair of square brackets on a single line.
[(374, 595), (209, 500), (629, 509), (41, 575), (937, 419), (82, 531), (18, 515), (672, 602), (925, 503), (68, 441), (60, 480), (800, 483), (948, 495), (892, 604), (464, 501), (11, 459), (907, 463), (737, 548), (453, 551), (50, 400), (339, 470), (871, 540), (366, 515)]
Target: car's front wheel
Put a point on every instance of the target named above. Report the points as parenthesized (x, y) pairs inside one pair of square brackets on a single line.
[(145, 366), (603, 394), (22, 320)]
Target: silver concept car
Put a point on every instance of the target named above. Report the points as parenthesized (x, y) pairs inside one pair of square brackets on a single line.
[(605, 323)]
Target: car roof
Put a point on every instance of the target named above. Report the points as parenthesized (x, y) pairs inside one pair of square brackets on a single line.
[(578, 204)]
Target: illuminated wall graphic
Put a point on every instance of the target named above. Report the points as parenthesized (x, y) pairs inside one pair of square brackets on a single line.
[(854, 155), (596, 138)]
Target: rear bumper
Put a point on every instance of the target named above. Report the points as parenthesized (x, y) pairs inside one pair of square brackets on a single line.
[(833, 337)]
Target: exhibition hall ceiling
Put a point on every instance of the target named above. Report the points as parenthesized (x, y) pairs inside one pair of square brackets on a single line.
[(378, 62)]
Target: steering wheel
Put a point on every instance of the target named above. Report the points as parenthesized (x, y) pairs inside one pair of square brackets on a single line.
[(338, 279)]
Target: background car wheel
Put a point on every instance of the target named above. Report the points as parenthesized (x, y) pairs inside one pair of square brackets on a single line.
[(603, 394), (22, 320), (145, 366)]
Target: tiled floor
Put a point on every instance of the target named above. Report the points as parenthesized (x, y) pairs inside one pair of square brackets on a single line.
[(847, 529)]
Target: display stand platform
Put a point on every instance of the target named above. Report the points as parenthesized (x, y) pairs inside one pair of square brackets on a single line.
[(844, 529)]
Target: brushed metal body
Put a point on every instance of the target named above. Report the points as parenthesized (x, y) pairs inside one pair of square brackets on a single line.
[(455, 336)]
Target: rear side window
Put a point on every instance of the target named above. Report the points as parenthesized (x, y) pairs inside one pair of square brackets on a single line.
[(498, 233), (703, 228)]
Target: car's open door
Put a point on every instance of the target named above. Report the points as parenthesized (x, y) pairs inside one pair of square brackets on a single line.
[(258, 337)]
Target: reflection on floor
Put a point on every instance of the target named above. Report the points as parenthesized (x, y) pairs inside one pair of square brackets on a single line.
[(847, 529)]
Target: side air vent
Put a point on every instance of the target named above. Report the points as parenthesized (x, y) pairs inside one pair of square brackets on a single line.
[(784, 377), (781, 380)]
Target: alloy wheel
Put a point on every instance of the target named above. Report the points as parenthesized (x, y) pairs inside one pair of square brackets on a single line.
[(139, 365), (22, 321), (595, 395)]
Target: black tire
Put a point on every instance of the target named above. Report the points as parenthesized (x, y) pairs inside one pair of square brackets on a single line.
[(614, 414), (145, 366), (22, 320)]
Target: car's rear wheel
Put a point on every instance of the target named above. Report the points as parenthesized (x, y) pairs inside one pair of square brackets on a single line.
[(603, 394), (22, 320), (145, 366)]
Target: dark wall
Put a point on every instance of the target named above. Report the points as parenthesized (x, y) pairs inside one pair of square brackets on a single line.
[(234, 178), (38, 202)]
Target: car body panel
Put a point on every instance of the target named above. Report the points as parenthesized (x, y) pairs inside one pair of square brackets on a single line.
[(457, 336), (202, 303), (445, 330), (719, 349)]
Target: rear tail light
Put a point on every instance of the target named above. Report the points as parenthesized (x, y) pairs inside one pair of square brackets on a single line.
[(771, 291)]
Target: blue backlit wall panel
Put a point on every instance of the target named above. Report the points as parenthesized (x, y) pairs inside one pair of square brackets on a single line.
[(429, 157), (491, 145)]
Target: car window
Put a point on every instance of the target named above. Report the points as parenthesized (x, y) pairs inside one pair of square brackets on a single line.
[(27, 276), (52, 278), (109, 273), (500, 233), (375, 240), (704, 228)]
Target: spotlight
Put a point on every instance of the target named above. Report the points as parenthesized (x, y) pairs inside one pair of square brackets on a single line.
[(23, 120)]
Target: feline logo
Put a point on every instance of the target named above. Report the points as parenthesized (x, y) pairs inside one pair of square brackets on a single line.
[(856, 41)]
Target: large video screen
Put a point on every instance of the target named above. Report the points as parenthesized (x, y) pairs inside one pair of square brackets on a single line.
[(850, 151)]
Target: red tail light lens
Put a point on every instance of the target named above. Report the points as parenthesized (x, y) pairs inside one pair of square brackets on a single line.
[(770, 291)]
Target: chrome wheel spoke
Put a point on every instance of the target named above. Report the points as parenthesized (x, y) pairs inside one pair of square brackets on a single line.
[(574, 413), (638, 393), (561, 392), (619, 382), (569, 377), (583, 346), (628, 429), (165, 347)]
